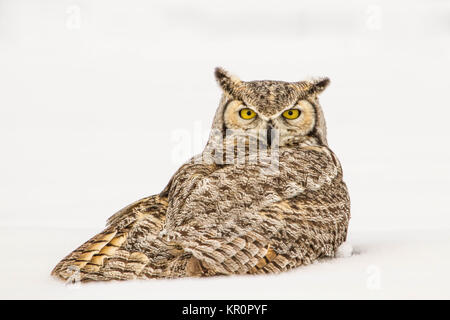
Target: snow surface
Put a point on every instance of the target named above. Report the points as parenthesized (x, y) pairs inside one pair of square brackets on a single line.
[(384, 265), (102, 100)]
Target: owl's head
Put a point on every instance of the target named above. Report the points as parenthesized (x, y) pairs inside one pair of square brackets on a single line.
[(289, 108)]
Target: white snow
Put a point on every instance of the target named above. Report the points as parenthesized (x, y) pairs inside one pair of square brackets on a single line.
[(101, 101), (344, 251), (389, 264)]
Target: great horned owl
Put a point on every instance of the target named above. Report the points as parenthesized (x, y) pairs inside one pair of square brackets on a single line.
[(244, 216)]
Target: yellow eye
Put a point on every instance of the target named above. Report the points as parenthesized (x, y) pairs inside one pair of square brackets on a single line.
[(247, 114), (291, 114)]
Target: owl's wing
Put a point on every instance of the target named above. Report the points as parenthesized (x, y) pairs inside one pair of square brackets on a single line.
[(119, 252), (221, 220), (315, 225), (291, 233)]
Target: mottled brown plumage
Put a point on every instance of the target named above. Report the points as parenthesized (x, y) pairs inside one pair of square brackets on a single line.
[(221, 218)]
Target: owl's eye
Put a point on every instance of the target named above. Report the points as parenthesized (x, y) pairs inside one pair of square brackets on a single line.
[(247, 114), (291, 114)]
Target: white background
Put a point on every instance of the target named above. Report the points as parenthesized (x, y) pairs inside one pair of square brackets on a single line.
[(101, 101)]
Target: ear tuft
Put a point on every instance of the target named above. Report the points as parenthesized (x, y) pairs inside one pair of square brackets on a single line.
[(320, 84), (228, 82), (221, 73)]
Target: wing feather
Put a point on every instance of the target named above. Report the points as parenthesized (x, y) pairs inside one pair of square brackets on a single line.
[(116, 253)]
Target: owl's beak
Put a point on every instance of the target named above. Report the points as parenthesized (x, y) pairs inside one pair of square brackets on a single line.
[(269, 134)]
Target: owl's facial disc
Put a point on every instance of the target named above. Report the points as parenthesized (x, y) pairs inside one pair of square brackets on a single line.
[(238, 116), (291, 123), (295, 122), (299, 119)]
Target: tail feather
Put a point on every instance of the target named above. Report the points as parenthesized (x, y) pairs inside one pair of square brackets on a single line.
[(113, 253)]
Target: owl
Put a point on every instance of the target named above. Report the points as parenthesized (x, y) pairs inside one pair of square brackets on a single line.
[(266, 195)]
